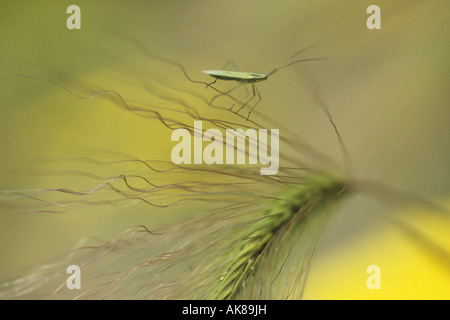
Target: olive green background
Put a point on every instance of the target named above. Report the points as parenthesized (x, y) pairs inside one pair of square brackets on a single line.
[(387, 90)]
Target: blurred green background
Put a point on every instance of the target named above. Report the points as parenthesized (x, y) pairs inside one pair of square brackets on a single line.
[(387, 90)]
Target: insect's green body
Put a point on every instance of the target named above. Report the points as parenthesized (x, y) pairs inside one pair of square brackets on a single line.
[(242, 78), (246, 77)]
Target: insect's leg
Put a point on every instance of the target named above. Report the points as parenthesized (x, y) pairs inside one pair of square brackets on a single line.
[(243, 98), (231, 63), (259, 97), (226, 92), (251, 98)]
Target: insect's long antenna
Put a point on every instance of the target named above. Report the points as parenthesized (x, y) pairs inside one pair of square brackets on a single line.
[(296, 61), (301, 51), (291, 63)]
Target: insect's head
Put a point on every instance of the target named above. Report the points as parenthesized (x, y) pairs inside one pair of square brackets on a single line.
[(258, 76), (268, 74)]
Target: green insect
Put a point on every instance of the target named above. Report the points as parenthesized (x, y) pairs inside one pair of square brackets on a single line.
[(248, 77)]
